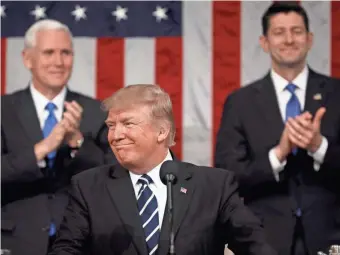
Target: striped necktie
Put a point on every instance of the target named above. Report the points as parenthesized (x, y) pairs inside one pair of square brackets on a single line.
[(148, 211)]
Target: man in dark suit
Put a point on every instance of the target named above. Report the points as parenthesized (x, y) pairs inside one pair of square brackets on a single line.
[(121, 208), (48, 134), (283, 146)]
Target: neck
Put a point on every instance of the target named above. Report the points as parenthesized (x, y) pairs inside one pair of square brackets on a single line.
[(48, 92), (151, 164), (287, 72)]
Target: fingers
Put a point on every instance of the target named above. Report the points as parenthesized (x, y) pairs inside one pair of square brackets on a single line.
[(300, 128), (304, 123), (74, 108), (72, 115), (318, 117), (300, 131), (70, 121), (306, 115)]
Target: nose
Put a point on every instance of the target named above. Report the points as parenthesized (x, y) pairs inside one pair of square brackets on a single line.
[(289, 37), (118, 133), (58, 59)]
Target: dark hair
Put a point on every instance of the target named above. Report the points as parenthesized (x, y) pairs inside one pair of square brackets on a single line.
[(285, 7)]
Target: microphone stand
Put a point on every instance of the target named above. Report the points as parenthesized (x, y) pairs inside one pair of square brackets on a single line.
[(170, 210)]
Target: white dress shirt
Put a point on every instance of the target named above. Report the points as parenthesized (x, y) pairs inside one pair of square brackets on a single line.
[(157, 187), (40, 102), (283, 97)]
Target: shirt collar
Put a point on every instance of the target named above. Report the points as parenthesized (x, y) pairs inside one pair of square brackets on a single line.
[(154, 173), (300, 81), (41, 101)]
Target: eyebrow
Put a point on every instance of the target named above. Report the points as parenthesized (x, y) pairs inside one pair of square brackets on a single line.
[(122, 120)]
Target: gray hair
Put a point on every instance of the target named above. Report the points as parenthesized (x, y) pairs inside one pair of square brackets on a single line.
[(45, 24), (145, 94)]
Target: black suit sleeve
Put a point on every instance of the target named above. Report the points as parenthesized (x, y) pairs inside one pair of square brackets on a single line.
[(73, 234), (331, 161), (245, 234), (233, 150), (20, 166)]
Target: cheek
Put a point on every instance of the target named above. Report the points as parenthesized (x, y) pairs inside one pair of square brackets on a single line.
[(276, 44), (68, 63), (110, 136)]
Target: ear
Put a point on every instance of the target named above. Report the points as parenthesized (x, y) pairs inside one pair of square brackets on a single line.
[(163, 132), (310, 40), (264, 43), (27, 58)]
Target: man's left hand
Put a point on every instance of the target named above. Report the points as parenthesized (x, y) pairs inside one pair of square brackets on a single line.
[(73, 116), (305, 132)]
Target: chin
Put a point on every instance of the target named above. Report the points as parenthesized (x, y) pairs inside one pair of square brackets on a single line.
[(292, 62)]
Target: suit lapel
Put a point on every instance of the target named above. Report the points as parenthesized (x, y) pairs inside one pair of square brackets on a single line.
[(269, 107), (122, 194), (182, 193), (28, 117), (315, 94)]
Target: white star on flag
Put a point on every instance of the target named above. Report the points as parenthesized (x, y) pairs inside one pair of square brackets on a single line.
[(160, 13), (120, 13), (2, 11), (39, 12), (79, 13)]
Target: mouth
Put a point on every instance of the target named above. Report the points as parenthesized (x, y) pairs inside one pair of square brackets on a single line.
[(122, 146), (289, 50)]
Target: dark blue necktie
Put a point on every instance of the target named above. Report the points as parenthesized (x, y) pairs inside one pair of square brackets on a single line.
[(148, 211), (293, 107), (50, 123)]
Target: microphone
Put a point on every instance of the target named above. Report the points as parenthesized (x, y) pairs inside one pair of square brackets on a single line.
[(168, 175)]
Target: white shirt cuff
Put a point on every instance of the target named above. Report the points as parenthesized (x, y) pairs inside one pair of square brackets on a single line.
[(41, 163), (276, 165), (319, 155)]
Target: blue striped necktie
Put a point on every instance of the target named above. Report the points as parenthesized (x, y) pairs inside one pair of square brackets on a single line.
[(148, 211), (293, 107), (50, 123)]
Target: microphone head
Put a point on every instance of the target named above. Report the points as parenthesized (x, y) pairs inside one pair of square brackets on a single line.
[(169, 171)]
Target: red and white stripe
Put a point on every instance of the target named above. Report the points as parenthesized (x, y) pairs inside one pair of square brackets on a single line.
[(218, 53)]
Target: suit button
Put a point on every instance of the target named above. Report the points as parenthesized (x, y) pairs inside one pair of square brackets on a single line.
[(298, 212), (46, 228), (51, 196)]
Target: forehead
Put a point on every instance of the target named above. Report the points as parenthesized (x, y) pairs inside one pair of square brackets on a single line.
[(55, 38), (134, 112), (290, 19)]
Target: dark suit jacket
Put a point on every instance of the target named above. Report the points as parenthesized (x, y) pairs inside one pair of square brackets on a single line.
[(103, 218), (31, 197), (252, 125)]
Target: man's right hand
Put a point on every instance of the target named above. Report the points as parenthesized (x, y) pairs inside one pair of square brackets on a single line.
[(285, 146), (50, 143)]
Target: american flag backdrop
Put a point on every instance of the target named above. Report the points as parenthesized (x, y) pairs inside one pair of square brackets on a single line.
[(198, 51)]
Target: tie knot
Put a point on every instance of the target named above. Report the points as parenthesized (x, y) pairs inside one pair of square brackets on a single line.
[(145, 180), (50, 107), (291, 88)]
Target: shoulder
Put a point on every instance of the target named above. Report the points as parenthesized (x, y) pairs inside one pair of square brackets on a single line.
[(85, 100), (206, 174), (92, 109), (11, 98), (246, 92), (94, 176)]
